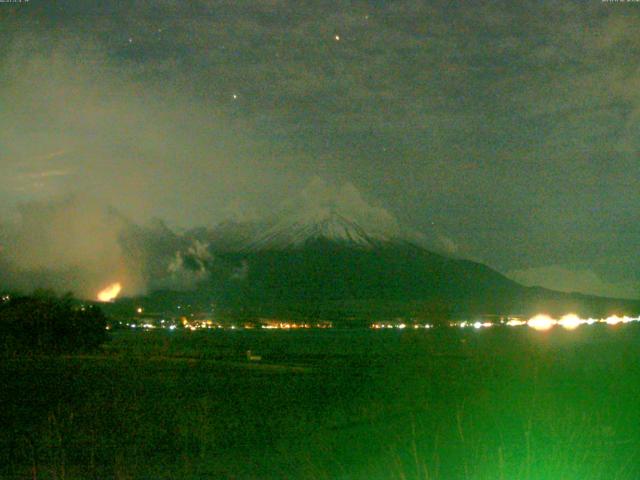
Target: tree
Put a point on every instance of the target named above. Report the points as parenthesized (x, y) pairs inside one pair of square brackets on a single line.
[(45, 323)]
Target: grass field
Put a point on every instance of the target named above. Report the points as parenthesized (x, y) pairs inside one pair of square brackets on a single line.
[(350, 404)]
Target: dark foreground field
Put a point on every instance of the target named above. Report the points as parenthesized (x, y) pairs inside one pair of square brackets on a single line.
[(449, 404)]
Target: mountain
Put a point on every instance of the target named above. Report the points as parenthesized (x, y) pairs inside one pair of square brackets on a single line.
[(333, 255), (323, 275)]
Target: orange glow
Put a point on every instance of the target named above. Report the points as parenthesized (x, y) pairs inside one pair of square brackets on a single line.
[(541, 322), (110, 293)]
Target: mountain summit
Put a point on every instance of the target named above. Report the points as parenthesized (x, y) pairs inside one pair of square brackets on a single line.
[(322, 212), (323, 224)]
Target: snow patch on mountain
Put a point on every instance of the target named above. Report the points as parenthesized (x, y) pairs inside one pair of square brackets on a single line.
[(323, 211)]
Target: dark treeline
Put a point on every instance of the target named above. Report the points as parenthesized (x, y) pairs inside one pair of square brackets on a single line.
[(46, 323)]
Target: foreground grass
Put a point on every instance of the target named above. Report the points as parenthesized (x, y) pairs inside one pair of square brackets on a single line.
[(430, 405)]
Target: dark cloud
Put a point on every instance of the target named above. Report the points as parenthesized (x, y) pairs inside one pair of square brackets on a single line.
[(508, 129)]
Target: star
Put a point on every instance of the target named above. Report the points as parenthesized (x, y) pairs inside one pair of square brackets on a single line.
[(235, 96)]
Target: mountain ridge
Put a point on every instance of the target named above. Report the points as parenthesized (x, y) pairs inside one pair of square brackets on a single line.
[(334, 252)]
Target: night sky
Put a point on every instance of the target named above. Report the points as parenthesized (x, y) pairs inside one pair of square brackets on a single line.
[(507, 131)]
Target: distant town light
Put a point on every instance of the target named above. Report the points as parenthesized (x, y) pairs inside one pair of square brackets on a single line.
[(613, 320), (570, 321), (516, 323), (542, 322)]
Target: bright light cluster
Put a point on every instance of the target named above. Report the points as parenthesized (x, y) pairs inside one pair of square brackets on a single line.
[(292, 325), (540, 322), (615, 320), (572, 321), (514, 322), (477, 325), (399, 326)]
